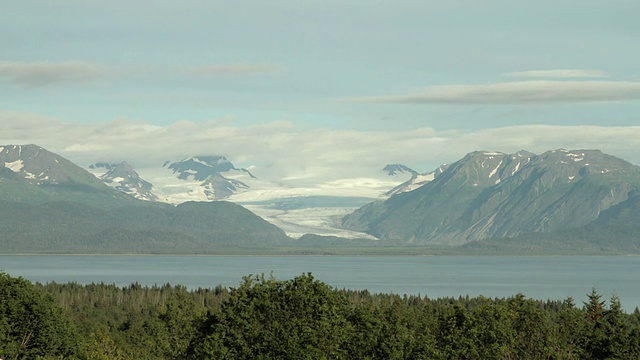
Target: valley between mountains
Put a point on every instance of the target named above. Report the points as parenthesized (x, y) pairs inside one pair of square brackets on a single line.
[(557, 202)]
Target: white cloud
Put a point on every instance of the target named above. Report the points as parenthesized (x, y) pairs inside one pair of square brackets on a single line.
[(38, 74), (558, 74), (282, 152), (521, 92)]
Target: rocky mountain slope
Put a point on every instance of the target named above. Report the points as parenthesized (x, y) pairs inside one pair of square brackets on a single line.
[(31, 174), (35, 165), (497, 195)]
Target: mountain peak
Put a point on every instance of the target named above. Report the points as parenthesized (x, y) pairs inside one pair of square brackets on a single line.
[(218, 178), (416, 181), (201, 167), (122, 177), (394, 169), (36, 165), (30, 173)]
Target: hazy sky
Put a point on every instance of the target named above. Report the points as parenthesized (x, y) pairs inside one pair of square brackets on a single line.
[(319, 89)]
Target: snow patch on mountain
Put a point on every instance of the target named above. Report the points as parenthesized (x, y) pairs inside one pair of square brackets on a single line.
[(515, 170), (15, 166), (202, 162), (494, 171), (29, 175)]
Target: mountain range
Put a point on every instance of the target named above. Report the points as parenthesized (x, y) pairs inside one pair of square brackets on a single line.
[(493, 195), (50, 205), (196, 178), (558, 200)]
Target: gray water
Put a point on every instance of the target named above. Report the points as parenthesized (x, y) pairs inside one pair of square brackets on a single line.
[(538, 277)]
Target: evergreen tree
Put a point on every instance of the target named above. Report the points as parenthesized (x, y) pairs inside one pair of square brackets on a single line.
[(617, 331), (596, 342)]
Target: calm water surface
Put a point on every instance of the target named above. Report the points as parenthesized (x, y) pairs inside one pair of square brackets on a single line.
[(539, 277)]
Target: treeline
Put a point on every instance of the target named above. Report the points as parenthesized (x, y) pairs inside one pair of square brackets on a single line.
[(301, 318)]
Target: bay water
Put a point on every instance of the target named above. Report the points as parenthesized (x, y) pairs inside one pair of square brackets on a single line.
[(538, 277)]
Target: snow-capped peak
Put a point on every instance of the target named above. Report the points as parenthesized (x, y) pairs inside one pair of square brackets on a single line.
[(395, 169), (121, 176), (37, 166)]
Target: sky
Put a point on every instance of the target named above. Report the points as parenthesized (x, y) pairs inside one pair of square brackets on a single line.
[(319, 91)]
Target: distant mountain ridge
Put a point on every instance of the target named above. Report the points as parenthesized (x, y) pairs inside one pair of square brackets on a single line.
[(201, 167), (124, 178), (195, 178), (496, 195), (220, 178)]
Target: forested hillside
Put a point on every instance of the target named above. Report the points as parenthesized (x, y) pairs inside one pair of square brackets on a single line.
[(194, 228), (301, 318)]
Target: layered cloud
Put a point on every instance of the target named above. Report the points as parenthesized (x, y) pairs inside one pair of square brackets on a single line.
[(558, 74), (519, 92), (38, 74), (280, 151)]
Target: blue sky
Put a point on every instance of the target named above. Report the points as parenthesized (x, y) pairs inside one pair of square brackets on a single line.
[(307, 87)]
